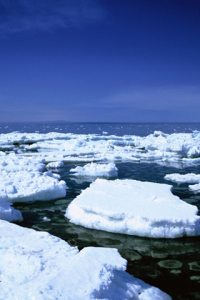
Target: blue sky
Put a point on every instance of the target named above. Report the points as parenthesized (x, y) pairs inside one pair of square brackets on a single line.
[(100, 61)]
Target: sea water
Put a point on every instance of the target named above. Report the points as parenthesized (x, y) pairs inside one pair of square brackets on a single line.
[(171, 265)]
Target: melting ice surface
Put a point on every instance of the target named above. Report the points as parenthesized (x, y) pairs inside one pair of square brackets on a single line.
[(28, 153)]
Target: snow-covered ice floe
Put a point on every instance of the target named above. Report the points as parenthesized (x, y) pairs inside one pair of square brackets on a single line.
[(186, 178), (177, 148), (39, 266), (134, 207), (94, 169), (30, 186), (15, 163)]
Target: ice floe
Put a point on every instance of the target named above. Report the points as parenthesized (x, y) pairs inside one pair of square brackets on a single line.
[(95, 169), (55, 165), (37, 265), (195, 188), (186, 178), (134, 207), (15, 163), (30, 186)]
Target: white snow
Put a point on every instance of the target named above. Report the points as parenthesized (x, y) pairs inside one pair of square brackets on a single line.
[(39, 266), (30, 186), (94, 169), (15, 163), (186, 178), (134, 207)]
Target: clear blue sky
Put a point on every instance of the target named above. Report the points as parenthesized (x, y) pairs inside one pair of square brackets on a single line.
[(92, 60)]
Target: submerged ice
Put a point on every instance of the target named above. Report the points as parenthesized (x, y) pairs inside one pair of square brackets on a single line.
[(134, 207)]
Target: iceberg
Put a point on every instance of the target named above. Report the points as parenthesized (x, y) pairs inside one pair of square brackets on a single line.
[(94, 169), (37, 265), (133, 207)]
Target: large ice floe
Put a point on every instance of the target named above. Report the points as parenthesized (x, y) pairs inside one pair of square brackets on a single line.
[(94, 169), (177, 149), (39, 266), (134, 207)]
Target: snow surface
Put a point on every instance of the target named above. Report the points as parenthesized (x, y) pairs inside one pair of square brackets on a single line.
[(94, 169), (30, 186), (186, 178), (39, 266), (134, 207)]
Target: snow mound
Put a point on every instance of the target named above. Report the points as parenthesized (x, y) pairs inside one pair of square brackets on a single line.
[(94, 169), (134, 207), (30, 186), (37, 265), (8, 213)]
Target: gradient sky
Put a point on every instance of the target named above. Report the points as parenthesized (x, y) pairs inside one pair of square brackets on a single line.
[(107, 61)]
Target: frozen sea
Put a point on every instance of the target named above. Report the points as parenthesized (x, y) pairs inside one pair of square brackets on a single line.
[(173, 265)]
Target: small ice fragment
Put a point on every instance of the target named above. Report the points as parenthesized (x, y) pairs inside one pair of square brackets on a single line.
[(46, 219)]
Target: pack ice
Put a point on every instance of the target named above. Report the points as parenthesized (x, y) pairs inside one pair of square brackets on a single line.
[(177, 148), (134, 207), (39, 266)]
